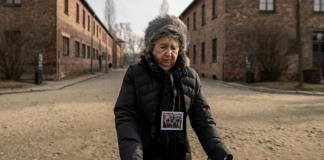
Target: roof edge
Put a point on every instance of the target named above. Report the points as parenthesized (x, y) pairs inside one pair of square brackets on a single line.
[(86, 4), (189, 7)]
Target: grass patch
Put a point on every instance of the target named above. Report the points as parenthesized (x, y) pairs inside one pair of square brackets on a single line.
[(4, 84), (290, 86)]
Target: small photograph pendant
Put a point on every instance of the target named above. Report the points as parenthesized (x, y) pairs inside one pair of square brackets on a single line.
[(171, 121)]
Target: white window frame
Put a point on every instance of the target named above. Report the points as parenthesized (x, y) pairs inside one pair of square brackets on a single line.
[(267, 5), (318, 5), (13, 2)]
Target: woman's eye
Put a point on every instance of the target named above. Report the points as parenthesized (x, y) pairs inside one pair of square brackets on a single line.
[(174, 48)]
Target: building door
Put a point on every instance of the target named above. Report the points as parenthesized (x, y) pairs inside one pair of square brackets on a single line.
[(100, 63)]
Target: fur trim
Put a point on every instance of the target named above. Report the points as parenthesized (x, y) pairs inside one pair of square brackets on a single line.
[(166, 26)]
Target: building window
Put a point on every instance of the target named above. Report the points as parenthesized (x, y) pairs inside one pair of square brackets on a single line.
[(13, 2), (318, 50), (319, 5), (194, 54), (66, 6), (88, 52), (93, 28), (214, 51), (194, 21), (97, 31), (93, 53), (88, 23), (267, 5), (203, 52), (188, 23), (214, 9), (77, 13), (66, 46), (77, 49), (83, 50), (83, 19), (203, 17)]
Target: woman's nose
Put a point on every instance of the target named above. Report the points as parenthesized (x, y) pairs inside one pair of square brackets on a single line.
[(168, 52)]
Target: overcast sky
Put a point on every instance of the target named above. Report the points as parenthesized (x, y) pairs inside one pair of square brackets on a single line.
[(138, 12)]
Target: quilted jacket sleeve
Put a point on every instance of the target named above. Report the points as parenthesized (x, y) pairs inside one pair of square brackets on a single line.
[(205, 127), (129, 140)]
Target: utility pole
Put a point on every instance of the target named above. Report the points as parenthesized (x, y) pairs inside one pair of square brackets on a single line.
[(299, 47)]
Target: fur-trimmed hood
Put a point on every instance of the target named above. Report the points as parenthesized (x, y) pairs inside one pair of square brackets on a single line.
[(166, 26)]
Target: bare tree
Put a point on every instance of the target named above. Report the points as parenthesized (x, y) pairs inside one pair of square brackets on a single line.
[(124, 31), (11, 57), (110, 14), (140, 44), (269, 46), (133, 43), (164, 8)]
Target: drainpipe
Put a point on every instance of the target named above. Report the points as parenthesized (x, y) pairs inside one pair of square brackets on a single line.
[(299, 46)]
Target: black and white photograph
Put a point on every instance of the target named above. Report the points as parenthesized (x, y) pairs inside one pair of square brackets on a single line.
[(171, 120)]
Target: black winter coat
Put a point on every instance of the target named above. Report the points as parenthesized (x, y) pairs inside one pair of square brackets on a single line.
[(136, 111)]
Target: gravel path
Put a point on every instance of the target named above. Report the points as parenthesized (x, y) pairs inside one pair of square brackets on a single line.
[(77, 123)]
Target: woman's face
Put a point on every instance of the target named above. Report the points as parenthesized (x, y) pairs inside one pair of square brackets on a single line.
[(166, 52)]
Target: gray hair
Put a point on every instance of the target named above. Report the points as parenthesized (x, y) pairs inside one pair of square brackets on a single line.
[(166, 26)]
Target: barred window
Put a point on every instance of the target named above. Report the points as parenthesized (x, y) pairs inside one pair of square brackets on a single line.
[(83, 19), (214, 51), (319, 5), (66, 46), (13, 2), (77, 49), (318, 50), (88, 52), (194, 21), (203, 17), (88, 23), (83, 51), (203, 53), (77, 13), (66, 6), (188, 23), (267, 5), (214, 10)]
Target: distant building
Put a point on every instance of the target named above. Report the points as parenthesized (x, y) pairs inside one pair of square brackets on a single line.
[(118, 56), (68, 33), (216, 49)]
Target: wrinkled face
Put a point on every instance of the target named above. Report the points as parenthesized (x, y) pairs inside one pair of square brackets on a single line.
[(166, 52)]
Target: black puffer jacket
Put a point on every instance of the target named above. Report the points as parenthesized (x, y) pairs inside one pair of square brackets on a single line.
[(137, 110)]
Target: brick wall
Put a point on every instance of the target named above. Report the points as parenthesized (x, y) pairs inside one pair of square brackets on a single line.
[(232, 16), (246, 13), (213, 29), (96, 38), (43, 25), (36, 22)]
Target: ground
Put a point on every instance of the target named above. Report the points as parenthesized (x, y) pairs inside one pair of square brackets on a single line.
[(77, 123)]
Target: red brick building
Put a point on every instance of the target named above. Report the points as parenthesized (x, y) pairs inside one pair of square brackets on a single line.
[(68, 33), (216, 49)]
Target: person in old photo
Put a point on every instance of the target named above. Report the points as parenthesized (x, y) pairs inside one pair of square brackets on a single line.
[(156, 96)]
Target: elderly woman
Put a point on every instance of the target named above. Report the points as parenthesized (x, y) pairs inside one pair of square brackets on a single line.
[(156, 96)]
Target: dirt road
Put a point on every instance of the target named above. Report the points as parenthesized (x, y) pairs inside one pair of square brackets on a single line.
[(77, 123)]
